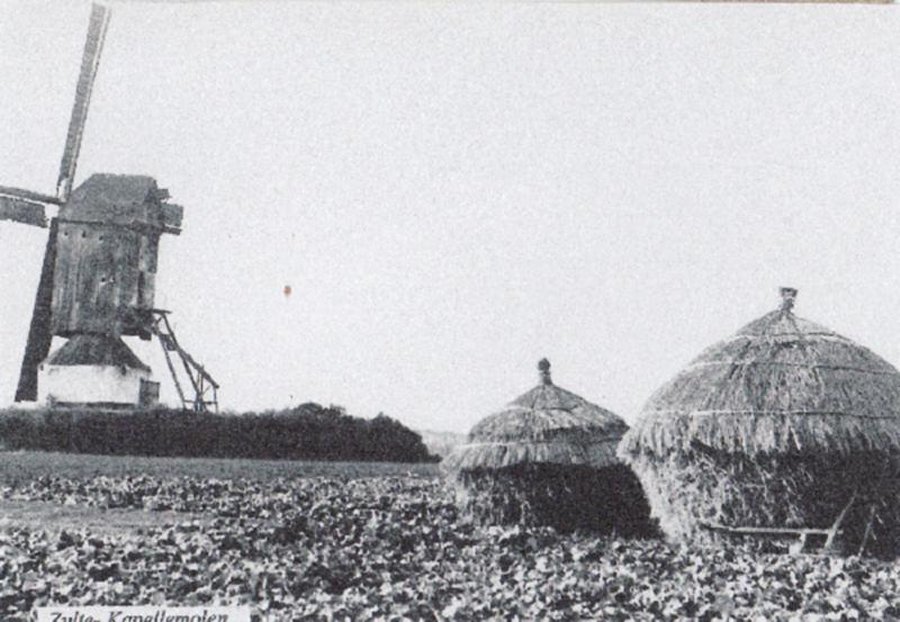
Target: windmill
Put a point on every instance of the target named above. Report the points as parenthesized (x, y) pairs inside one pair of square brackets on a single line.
[(97, 282)]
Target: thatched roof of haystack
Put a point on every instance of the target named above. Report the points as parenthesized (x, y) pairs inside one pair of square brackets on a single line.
[(781, 384), (545, 425)]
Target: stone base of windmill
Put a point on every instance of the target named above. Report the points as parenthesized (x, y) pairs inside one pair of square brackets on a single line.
[(565, 497), (96, 371)]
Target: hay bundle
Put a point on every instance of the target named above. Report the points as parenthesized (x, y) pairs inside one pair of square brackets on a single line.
[(548, 459), (786, 425)]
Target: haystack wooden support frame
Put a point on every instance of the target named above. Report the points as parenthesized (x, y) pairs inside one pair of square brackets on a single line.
[(803, 533), (204, 387)]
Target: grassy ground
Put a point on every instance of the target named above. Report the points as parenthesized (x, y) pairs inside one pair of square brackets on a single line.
[(22, 466), (56, 517), (18, 468)]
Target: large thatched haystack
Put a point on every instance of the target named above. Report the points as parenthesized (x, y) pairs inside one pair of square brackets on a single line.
[(786, 425), (548, 459)]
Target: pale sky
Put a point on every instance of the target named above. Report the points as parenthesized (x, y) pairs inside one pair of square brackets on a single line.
[(454, 191)]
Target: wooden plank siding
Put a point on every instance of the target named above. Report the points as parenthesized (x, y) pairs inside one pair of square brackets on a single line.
[(103, 273)]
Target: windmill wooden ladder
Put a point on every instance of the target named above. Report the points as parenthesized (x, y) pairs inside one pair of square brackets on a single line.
[(204, 387)]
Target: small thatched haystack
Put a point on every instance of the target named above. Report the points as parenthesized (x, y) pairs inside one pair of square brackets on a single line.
[(548, 459), (786, 425)]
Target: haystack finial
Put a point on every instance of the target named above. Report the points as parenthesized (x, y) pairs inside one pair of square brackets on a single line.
[(544, 367), (788, 294)]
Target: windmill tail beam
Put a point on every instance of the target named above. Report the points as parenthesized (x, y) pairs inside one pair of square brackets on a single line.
[(93, 46)]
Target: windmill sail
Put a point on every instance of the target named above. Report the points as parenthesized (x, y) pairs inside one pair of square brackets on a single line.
[(90, 61), (24, 206), (23, 211), (40, 335)]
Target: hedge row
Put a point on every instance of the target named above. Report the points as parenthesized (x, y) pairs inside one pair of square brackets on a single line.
[(308, 432)]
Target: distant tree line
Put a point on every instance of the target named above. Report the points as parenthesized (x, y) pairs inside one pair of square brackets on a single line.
[(307, 432)]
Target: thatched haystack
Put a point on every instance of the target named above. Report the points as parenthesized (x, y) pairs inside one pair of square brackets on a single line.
[(548, 459), (784, 426)]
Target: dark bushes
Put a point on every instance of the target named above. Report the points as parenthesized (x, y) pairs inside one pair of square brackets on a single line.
[(307, 432)]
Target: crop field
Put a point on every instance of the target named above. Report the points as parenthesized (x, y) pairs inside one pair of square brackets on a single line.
[(338, 541)]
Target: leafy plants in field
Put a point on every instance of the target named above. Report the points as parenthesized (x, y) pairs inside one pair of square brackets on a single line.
[(394, 547)]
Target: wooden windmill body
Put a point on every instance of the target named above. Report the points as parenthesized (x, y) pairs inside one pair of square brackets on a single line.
[(98, 278)]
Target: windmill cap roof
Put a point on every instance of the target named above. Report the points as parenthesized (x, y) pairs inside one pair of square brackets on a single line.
[(96, 350), (124, 200)]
